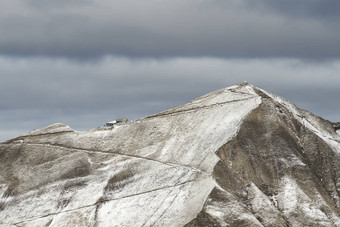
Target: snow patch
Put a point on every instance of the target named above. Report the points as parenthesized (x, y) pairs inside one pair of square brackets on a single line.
[(294, 202), (288, 197)]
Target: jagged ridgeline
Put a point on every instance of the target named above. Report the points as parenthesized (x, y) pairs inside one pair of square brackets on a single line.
[(239, 156)]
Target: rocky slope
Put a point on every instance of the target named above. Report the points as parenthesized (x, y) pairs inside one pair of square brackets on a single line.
[(239, 156)]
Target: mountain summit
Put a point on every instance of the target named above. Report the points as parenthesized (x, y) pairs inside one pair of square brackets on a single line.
[(239, 156)]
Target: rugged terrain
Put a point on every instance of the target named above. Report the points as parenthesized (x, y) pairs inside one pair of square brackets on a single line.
[(239, 156)]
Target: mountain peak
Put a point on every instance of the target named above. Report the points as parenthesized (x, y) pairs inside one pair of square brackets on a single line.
[(239, 156)]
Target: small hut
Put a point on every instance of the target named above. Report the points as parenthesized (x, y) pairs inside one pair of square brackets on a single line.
[(112, 123), (336, 126)]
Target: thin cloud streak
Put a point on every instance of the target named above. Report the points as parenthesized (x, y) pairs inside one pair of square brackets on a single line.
[(319, 9)]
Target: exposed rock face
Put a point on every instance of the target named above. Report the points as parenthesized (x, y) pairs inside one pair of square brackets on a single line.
[(239, 156)]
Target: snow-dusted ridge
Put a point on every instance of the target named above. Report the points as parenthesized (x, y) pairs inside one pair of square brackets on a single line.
[(319, 126), (236, 156)]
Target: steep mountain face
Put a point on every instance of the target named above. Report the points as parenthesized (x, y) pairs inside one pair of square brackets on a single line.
[(239, 156)]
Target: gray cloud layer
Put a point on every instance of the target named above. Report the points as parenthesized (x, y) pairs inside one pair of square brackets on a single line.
[(38, 92), (153, 28)]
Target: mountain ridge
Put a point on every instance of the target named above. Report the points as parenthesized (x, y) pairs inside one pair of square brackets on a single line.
[(239, 156)]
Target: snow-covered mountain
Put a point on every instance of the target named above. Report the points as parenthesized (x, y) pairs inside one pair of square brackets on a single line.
[(239, 156)]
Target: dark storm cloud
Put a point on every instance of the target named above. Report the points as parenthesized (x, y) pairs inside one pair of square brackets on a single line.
[(152, 28)]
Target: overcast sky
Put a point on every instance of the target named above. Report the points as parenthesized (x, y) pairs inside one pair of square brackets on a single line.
[(85, 62)]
